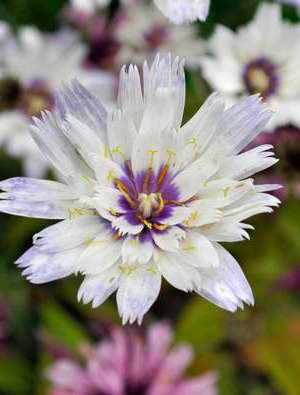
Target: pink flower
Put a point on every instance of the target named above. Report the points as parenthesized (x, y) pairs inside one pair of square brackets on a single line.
[(130, 364)]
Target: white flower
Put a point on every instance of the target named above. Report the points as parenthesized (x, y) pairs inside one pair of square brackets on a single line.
[(143, 31), (34, 65), (89, 6), (144, 197), (261, 57), (183, 11)]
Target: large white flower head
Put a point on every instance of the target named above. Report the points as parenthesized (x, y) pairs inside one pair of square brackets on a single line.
[(143, 31), (144, 197), (184, 11), (261, 57), (32, 67)]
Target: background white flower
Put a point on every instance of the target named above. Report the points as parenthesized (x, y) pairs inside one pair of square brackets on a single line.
[(184, 11), (34, 65), (89, 6), (292, 2), (143, 31), (145, 197), (261, 57)]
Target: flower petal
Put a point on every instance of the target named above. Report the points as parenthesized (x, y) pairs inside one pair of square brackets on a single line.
[(177, 272), (85, 140), (127, 224), (239, 125), (169, 239), (98, 288), (183, 11), (137, 292), (244, 165), (47, 210), (48, 135), (121, 143), (108, 199), (135, 251), (41, 267), (191, 179), (159, 337), (226, 285), (69, 233), (99, 254), (81, 104), (198, 251), (205, 384), (35, 190)]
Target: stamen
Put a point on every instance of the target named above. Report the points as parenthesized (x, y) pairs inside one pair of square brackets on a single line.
[(146, 180), (106, 151), (117, 150), (192, 141), (176, 202), (161, 205), (160, 226), (147, 223), (152, 153), (164, 171), (162, 174), (117, 235), (123, 189)]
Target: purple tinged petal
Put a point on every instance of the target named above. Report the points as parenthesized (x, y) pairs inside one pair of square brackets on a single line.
[(47, 210)]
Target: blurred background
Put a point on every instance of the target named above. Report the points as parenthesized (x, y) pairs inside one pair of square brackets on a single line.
[(256, 351)]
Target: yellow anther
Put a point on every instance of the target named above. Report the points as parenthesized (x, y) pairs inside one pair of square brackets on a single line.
[(226, 191), (134, 241), (188, 247), (106, 151), (118, 150), (171, 153), (90, 242), (192, 141), (111, 175), (76, 211), (151, 153), (193, 217), (127, 269), (113, 211), (87, 179), (152, 269)]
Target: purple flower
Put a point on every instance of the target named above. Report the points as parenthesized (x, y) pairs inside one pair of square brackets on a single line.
[(131, 364)]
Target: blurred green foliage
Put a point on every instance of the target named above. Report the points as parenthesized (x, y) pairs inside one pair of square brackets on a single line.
[(256, 351)]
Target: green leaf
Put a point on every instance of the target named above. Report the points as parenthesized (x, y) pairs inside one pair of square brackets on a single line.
[(202, 324), (15, 376), (62, 326), (276, 350)]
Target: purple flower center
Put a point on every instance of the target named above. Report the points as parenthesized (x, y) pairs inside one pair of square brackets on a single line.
[(31, 98), (148, 198), (103, 51), (156, 36), (261, 76)]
